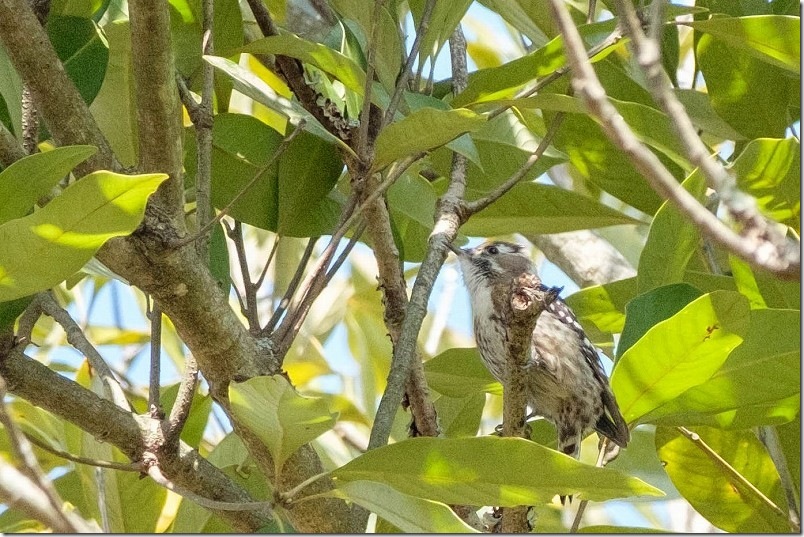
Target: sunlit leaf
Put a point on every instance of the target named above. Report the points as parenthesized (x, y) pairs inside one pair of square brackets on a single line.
[(30, 178), (487, 470), (42, 249), (323, 57), (770, 38), (770, 170), (679, 353)]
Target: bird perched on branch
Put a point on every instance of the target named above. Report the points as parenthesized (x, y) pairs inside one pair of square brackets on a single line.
[(565, 381)]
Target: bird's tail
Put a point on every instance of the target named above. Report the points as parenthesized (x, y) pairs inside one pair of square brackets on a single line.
[(612, 424)]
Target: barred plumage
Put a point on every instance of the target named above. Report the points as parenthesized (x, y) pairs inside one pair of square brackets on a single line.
[(565, 379)]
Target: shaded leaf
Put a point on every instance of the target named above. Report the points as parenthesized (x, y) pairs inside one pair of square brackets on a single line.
[(713, 492), (42, 249), (533, 208), (280, 417), (82, 50), (460, 373), (408, 513), (487, 470), (423, 130), (672, 240)]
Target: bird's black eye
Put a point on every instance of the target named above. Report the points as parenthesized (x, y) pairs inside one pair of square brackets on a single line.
[(493, 250)]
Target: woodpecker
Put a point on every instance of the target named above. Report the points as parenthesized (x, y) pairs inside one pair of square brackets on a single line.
[(565, 381)]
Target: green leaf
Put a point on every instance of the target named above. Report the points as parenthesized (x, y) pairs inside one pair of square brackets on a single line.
[(114, 108), (290, 196), (30, 178), (423, 130), (533, 208), (83, 51), (651, 308), (736, 83), (460, 416), (280, 417), (503, 145), (770, 38), (760, 370), (9, 311), (487, 470), (323, 57), (408, 513), (679, 353), (500, 82), (600, 528), (42, 249), (704, 117), (412, 201), (219, 258), (715, 493), (597, 161), (770, 170), (672, 240), (604, 305), (460, 373), (764, 289), (254, 87)]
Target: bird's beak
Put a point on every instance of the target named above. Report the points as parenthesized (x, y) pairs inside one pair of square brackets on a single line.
[(458, 251), (552, 292)]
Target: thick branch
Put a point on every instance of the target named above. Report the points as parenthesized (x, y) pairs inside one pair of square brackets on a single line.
[(158, 105), (527, 300), (101, 418), (757, 252), (58, 101)]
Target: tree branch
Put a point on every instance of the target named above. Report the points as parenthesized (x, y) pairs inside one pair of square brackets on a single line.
[(158, 106), (61, 106), (741, 206), (526, 300), (203, 122), (76, 337), (101, 418), (410, 319), (588, 88)]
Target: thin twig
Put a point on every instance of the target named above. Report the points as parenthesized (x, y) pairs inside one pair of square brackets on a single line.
[(292, 286), (122, 466), (30, 467), (203, 123), (445, 230), (267, 264), (249, 309), (407, 70), (364, 146), (731, 473), (742, 207), (757, 252), (154, 378), (76, 337), (478, 205), (768, 435), (223, 212), (601, 456), (159, 478), (184, 400), (290, 495)]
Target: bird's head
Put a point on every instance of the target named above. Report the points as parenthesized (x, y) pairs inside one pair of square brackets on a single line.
[(492, 262)]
